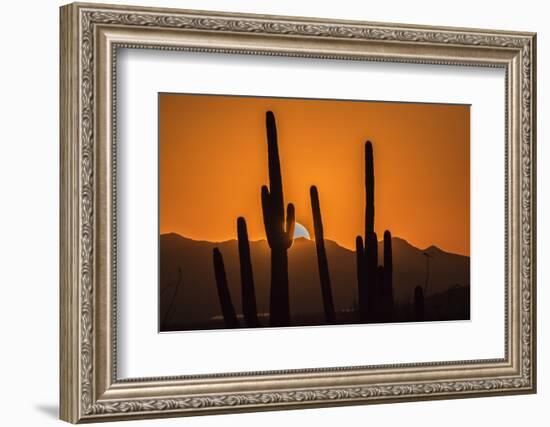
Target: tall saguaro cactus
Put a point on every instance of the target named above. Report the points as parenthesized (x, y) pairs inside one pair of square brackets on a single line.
[(279, 231), (369, 188), (248, 293), (226, 304), (322, 260), (371, 240), (374, 284), (367, 277)]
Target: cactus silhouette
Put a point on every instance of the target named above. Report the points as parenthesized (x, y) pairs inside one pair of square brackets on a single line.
[(371, 274), (418, 304), (226, 304), (375, 287), (322, 261), (369, 188), (279, 231), (366, 275), (250, 313), (387, 282)]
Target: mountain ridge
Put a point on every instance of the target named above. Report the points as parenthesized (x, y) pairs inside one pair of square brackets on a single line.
[(312, 240), (196, 304)]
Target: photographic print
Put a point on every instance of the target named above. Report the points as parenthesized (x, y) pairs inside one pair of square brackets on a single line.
[(278, 212)]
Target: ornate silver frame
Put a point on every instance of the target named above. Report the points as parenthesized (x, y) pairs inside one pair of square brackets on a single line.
[(90, 36)]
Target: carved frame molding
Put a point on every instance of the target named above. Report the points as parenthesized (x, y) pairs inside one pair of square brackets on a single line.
[(90, 37)]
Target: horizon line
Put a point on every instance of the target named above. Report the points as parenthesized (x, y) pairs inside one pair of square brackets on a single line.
[(313, 241)]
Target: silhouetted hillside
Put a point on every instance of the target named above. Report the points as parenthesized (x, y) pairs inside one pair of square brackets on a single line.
[(196, 304)]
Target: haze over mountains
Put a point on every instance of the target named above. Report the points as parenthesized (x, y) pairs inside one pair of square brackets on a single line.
[(194, 304)]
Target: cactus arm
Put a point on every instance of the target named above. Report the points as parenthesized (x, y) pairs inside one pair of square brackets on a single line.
[(290, 224), (361, 288)]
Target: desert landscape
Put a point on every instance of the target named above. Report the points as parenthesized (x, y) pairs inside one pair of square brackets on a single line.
[(294, 275)]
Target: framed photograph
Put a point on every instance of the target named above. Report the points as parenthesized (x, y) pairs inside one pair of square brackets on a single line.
[(265, 212)]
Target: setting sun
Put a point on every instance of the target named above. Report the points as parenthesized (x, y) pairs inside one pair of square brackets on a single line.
[(300, 232)]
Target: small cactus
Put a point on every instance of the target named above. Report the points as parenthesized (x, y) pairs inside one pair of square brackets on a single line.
[(226, 304)]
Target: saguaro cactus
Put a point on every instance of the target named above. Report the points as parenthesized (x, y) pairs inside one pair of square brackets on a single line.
[(375, 288), (250, 313), (367, 277), (387, 283), (418, 304), (369, 188), (322, 261), (279, 231), (226, 304), (371, 240)]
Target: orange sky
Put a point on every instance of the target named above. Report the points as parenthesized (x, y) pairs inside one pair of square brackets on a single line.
[(213, 161)]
